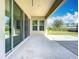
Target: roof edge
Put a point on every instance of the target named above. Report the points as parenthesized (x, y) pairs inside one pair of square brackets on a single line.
[(54, 7)]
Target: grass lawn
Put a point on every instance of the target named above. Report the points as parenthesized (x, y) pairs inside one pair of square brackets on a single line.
[(51, 32), (7, 33)]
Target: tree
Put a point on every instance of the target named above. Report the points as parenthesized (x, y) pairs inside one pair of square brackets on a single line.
[(57, 24)]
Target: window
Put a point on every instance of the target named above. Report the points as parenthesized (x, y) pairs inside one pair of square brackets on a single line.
[(41, 25), (34, 25), (27, 27), (7, 26), (17, 25), (14, 30)]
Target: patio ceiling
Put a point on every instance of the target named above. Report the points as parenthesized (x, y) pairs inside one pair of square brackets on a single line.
[(38, 7)]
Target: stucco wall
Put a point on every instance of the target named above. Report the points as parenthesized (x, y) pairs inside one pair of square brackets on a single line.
[(2, 36)]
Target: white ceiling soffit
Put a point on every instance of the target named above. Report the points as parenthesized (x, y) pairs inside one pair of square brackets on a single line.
[(40, 7), (35, 7)]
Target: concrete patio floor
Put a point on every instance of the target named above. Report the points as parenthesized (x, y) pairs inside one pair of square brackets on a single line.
[(40, 47)]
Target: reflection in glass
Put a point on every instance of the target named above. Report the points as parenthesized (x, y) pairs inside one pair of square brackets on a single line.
[(7, 26), (34, 25), (27, 27), (17, 25), (41, 25)]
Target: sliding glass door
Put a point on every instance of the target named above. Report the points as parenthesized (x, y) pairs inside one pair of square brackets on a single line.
[(7, 20), (27, 26), (17, 25)]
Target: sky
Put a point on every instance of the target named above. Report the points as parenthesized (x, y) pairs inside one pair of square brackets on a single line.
[(69, 6), (68, 12)]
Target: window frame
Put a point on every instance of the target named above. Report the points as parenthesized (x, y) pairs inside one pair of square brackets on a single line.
[(41, 25), (36, 25), (9, 38)]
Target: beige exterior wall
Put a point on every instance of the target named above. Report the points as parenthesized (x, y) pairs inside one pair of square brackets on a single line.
[(2, 36)]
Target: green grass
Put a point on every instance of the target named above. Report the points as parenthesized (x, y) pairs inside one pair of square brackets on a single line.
[(51, 32), (7, 33)]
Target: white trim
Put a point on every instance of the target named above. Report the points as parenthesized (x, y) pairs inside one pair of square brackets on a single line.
[(23, 26), (38, 24), (14, 49), (12, 2)]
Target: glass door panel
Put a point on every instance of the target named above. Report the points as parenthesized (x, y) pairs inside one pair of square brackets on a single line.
[(7, 26), (17, 25)]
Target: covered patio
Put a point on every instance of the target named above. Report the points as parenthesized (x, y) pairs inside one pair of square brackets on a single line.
[(25, 35), (40, 47)]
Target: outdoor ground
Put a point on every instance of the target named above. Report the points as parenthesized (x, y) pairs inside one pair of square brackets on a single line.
[(51, 32), (41, 47)]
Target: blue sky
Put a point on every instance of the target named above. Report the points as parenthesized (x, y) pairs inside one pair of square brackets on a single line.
[(68, 12), (70, 6)]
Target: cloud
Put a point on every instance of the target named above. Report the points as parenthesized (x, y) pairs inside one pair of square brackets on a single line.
[(68, 18)]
